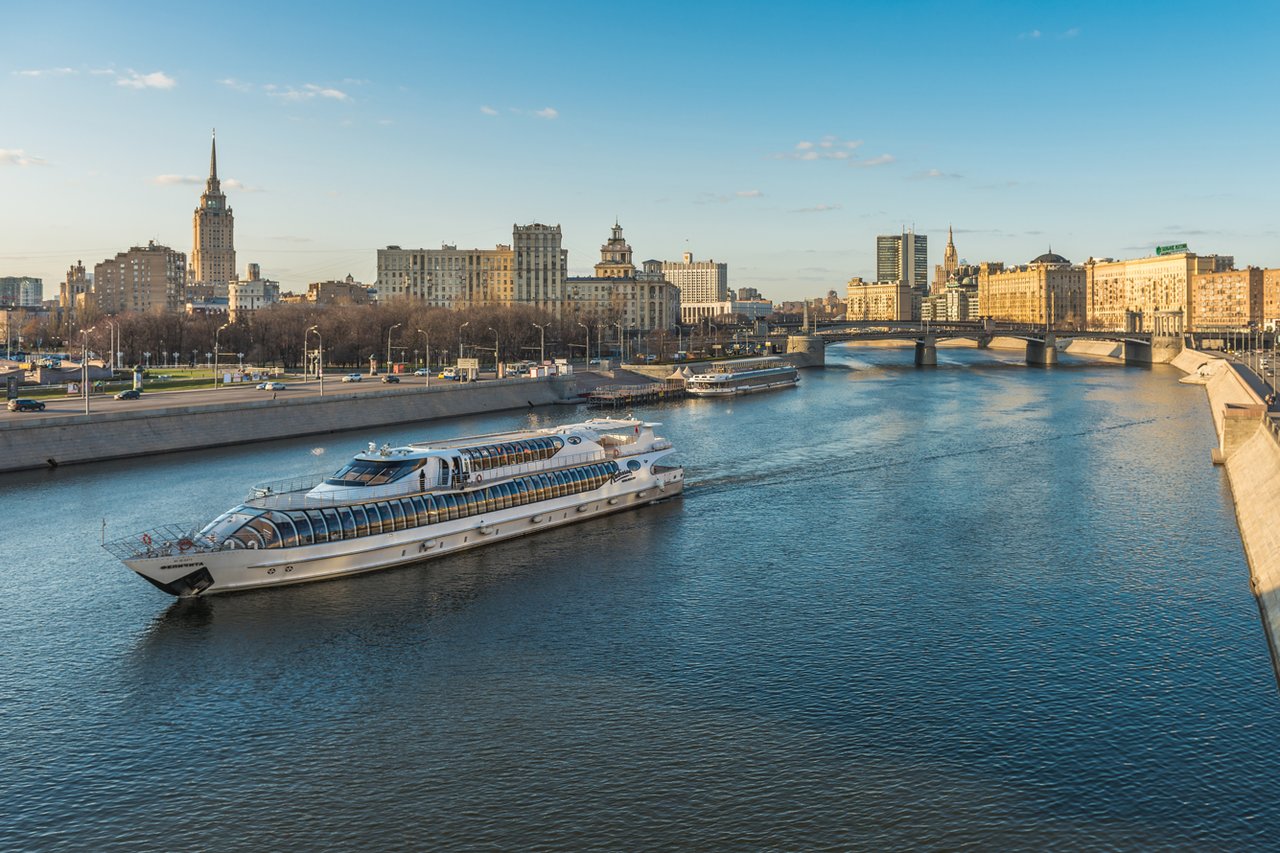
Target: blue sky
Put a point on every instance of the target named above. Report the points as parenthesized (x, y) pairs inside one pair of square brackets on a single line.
[(778, 138)]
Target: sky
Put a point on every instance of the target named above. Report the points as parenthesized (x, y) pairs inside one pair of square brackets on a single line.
[(778, 138)]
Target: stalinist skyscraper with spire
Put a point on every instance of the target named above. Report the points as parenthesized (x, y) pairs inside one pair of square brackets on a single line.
[(213, 255)]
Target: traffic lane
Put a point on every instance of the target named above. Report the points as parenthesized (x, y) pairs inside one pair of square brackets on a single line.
[(74, 404)]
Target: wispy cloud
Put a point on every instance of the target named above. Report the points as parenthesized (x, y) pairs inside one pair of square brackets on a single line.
[(238, 85), (174, 180), (237, 185), (19, 157), (305, 92), (931, 174), (878, 160), (547, 113), (45, 72), (488, 110), (1071, 33), (155, 80), (817, 208), (827, 148), (1029, 35), (749, 194)]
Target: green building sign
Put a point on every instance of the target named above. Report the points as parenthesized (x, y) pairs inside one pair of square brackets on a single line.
[(1171, 250)]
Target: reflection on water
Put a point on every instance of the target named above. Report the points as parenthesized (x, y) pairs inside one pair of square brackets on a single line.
[(976, 605)]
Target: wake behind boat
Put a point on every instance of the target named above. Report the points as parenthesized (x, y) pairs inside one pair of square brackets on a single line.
[(393, 506), (743, 377)]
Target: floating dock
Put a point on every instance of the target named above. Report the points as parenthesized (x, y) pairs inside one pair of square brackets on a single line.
[(614, 396)]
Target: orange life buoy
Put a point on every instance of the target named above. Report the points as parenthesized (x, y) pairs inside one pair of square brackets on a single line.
[(615, 453), (185, 544), (146, 539), (479, 479)]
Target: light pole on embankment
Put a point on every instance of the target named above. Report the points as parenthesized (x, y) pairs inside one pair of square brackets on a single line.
[(319, 354), (542, 342), (426, 345), (215, 353)]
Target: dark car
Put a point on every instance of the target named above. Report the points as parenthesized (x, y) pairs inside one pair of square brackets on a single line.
[(390, 379), (23, 404), (129, 394)]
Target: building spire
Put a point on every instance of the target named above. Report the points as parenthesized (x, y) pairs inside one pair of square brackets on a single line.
[(213, 158)]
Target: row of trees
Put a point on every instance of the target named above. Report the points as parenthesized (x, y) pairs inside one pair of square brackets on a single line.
[(351, 334)]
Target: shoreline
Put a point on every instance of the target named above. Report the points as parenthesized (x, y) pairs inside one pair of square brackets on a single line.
[(1249, 452)]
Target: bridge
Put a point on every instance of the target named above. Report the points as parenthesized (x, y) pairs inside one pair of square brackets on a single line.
[(1041, 342)]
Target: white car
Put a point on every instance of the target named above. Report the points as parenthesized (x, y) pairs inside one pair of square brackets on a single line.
[(272, 386), (353, 377)]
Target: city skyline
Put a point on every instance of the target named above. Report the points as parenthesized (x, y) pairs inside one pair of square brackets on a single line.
[(1025, 127)]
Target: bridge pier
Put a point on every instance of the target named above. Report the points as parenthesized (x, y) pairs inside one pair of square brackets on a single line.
[(806, 350), (1137, 352), (984, 340), (927, 351), (1042, 352)]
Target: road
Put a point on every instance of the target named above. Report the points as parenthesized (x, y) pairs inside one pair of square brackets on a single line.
[(74, 405)]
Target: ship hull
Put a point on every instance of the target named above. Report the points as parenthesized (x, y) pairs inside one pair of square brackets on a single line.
[(209, 573)]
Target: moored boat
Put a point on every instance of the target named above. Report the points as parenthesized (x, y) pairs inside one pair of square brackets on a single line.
[(743, 377), (392, 506)]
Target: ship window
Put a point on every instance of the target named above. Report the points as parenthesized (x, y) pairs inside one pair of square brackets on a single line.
[(372, 472), (509, 496), (433, 509), (468, 504), (306, 536), (375, 519), (449, 511), (247, 537), (519, 492), (361, 519), (397, 514), (348, 522), (288, 533), (318, 525), (334, 525), (633, 464), (419, 515)]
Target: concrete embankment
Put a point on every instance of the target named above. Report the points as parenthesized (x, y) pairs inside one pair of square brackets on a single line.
[(37, 442), (1249, 450)]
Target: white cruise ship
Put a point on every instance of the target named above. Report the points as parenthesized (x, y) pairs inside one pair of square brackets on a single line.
[(392, 506), (743, 377)]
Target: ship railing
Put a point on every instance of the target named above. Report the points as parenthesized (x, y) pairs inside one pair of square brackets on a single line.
[(170, 540), (294, 494)]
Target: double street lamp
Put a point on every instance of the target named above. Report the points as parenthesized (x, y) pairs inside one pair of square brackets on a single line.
[(542, 342), (389, 331), (588, 358), (319, 354), (215, 353), (460, 328)]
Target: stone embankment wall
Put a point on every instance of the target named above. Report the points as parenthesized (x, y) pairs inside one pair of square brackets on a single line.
[(1249, 450), (37, 442)]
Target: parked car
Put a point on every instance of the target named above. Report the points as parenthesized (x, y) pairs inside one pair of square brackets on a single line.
[(391, 379), (449, 373), (23, 404), (422, 371), (353, 377), (129, 394)]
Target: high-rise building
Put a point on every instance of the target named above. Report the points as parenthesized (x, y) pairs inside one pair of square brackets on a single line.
[(1271, 298), (1226, 300), (21, 291), (213, 253), (903, 257), (251, 293), (879, 300), (71, 295), (949, 267), (1049, 289), (531, 271), (698, 281), (145, 278), (618, 293), (1125, 295)]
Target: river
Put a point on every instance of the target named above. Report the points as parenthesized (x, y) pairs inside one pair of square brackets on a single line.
[(984, 605)]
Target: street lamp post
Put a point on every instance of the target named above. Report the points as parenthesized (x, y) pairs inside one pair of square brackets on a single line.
[(389, 331), (587, 358), (84, 366), (319, 354), (542, 342), (215, 354), (426, 344), (622, 346), (240, 356), (495, 352), (460, 328)]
